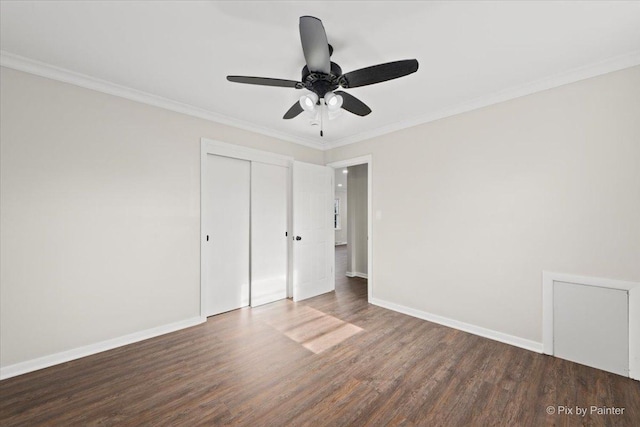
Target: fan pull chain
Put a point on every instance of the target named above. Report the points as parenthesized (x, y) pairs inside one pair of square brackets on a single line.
[(321, 121)]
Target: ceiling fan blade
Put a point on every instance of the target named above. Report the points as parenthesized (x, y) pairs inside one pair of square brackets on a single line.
[(379, 73), (293, 111), (265, 81), (315, 45), (353, 104)]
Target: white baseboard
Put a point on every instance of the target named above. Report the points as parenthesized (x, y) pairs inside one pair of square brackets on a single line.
[(88, 350), (356, 274), (466, 327)]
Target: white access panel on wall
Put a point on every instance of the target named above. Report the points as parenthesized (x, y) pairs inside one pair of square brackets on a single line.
[(268, 233), (591, 326), (226, 225), (313, 247)]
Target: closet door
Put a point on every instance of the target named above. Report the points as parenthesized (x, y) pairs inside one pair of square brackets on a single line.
[(268, 228), (227, 225)]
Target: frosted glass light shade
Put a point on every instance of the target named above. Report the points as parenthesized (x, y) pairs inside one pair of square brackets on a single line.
[(308, 101), (333, 101)]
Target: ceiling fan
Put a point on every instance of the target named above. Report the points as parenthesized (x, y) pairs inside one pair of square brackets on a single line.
[(322, 77)]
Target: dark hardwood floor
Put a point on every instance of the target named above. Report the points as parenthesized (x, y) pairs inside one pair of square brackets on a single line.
[(333, 360)]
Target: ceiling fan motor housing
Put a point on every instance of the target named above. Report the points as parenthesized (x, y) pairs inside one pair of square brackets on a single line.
[(321, 83)]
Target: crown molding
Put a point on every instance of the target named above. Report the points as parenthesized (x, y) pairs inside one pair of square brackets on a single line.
[(42, 69), (576, 74)]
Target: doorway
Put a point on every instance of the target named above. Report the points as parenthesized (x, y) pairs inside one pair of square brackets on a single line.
[(353, 223)]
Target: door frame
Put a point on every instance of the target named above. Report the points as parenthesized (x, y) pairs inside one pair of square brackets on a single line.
[(368, 160), (219, 148)]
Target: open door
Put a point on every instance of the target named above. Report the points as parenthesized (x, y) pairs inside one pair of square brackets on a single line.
[(313, 232)]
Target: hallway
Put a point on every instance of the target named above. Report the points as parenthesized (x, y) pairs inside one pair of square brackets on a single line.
[(352, 287)]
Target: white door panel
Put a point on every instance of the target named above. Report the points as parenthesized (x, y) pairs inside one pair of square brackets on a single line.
[(268, 228), (591, 326), (313, 225), (227, 222)]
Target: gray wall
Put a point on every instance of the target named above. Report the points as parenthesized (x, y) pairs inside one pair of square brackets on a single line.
[(469, 210), (100, 214)]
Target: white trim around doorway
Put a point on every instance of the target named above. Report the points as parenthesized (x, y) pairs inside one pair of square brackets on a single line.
[(368, 160)]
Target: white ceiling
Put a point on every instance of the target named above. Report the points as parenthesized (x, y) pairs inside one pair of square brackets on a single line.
[(471, 53)]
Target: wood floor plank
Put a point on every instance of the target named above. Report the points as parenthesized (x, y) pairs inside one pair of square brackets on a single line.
[(373, 367)]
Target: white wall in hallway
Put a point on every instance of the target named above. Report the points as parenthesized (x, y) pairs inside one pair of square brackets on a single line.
[(357, 233), (341, 234)]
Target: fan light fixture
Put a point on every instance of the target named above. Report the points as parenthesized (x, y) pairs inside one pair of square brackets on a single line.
[(308, 102), (333, 101)]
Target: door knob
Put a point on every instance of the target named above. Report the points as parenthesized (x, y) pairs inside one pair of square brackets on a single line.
[(298, 238)]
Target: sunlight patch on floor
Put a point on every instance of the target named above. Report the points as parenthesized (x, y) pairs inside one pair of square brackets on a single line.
[(315, 330)]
